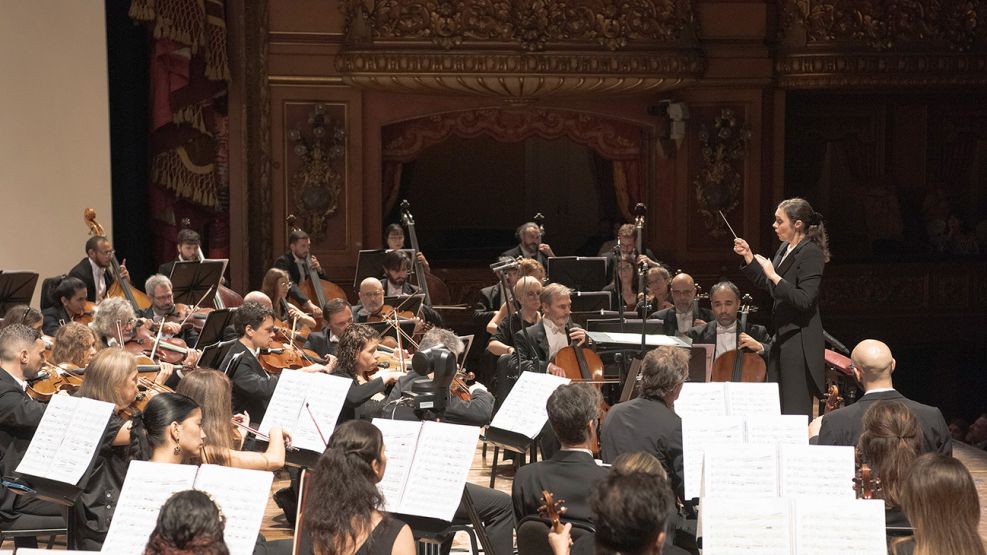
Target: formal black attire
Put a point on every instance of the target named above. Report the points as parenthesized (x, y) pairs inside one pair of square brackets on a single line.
[(613, 256), (358, 394), (707, 335), (19, 418), (648, 425), (84, 271), (616, 303), (488, 305), (569, 475), (379, 542), (189, 335), (513, 322), (671, 323), (252, 385), (516, 252), (842, 426), (318, 341), (532, 348), (55, 317), (798, 345), (286, 262)]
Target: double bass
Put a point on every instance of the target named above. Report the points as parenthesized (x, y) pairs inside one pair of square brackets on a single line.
[(120, 287), (315, 287), (439, 293), (740, 365)]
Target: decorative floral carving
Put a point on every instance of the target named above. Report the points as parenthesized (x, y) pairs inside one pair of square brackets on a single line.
[(317, 183), (719, 181)]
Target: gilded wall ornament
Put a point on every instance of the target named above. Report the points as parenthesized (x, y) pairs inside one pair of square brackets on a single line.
[(317, 183), (718, 185)]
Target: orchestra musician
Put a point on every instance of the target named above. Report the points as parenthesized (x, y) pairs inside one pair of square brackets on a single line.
[(357, 359), (371, 300), (69, 301), (21, 356), (114, 322), (338, 316), (526, 267), (724, 298), (188, 244), (538, 344), (793, 278), (686, 312), (24, 314), (490, 297), (889, 444), (75, 344), (296, 263), (528, 292), (530, 245), (657, 285), (94, 270), (627, 274), (158, 288), (626, 249), (189, 522), (394, 235), (397, 265), (277, 286)]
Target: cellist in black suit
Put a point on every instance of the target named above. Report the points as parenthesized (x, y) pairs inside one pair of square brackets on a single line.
[(793, 279), (724, 298)]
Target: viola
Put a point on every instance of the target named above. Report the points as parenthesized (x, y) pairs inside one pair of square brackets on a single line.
[(459, 388), (283, 333), (188, 316), (86, 316), (740, 365), (865, 483), (58, 378), (280, 357), (147, 389), (552, 510), (171, 350)]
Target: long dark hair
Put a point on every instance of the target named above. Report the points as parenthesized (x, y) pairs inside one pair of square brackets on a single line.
[(889, 442), (812, 222), (189, 522), (344, 495), (940, 500), (161, 411)]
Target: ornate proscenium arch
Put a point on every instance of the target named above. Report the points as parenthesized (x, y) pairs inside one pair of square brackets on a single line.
[(615, 140)]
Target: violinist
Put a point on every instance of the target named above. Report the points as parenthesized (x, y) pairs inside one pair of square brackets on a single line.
[(296, 263), (724, 297), (338, 316), (623, 296), (23, 314), (371, 299), (75, 345), (163, 311), (114, 322), (528, 291), (626, 249), (537, 345), (69, 302), (188, 251), (686, 312), (394, 234), (490, 297), (277, 287), (357, 360), (529, 244), (526, 267), (657, 283), (95, 271), (112, 378), (21, 356)]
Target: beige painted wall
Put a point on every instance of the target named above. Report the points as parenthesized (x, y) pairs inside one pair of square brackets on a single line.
[(54, 132)]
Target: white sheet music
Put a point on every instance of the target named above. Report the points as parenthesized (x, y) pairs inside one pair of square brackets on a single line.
[(147, 487), (826, 526), (749, 470), (324, 394), (743, 526), (701, 399), (32, 551), (817, 470), (67, 438), (438, 473), (788, 429), (524, 409), (400, 440), (242, 496), (697, 432), (745, 399)]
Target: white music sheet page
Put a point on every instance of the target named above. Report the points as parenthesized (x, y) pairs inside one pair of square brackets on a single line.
[(823, 526), (697, 433), (400, 440), (749, 470), (147, 486), (67, 439), (524, 410), (817, 470), (324, 394), (787, 429), (438, 472), (744, 399), (743, 526), (701, 399), (242, 496)]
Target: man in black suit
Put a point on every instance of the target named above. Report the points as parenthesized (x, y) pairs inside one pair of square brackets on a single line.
[(297, 262), (490, 297), (69, 300), (95, 271), (159, 289), (626, 249), (530, 245), (397, 266), (873, 366), (573, 412), (338, 316), (21, 352), (724, 297), (188, 251), (538, 344), (686, 314)]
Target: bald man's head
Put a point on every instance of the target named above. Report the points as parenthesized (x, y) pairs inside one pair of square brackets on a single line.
[(683, 292), (258, 297), (371, 294), (873, 363)]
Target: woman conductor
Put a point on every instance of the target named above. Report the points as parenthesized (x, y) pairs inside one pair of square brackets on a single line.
[(793, 278)]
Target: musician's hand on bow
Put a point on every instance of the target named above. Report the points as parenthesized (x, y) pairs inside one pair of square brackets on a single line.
[(699, 322), (768, 267), (285, 435), (747, 342), (171, 328), (555, 370), (743, 249), (191, 359), (577, 336), (545, 249), (314, 262), (242, 419), (423, 261)]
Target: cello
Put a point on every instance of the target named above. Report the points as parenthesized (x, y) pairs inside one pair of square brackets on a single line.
[(120, 287), (315, 287), (740, 365)]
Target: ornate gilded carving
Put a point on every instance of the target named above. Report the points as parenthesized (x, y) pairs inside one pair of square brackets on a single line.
[(519, 49), (718, 185), (317, 182), (839, 70)]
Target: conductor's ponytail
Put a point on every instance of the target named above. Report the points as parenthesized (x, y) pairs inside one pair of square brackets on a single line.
[(815, 230)]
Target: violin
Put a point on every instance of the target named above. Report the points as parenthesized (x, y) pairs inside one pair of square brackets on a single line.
[(120, 287), (459, 388), (279, 357), (58, 378), (86, 316), (865, 483), (740, 365), (171, 350), (552, 510), (147, 389), (188, 316)]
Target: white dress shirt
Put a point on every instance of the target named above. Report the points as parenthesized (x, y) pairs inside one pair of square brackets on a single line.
[(99, 280), (726, 338), (557, 338), (685, 320)]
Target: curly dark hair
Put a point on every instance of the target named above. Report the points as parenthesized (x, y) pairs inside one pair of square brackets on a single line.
[(353, 340), (189, 523), (343, 494)]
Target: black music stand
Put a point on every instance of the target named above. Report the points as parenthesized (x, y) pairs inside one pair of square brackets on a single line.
[(579, 273), (212, 330), (406, 303), (212, 355), (590, 302), (370, 263), (193, 282), (16, 288)]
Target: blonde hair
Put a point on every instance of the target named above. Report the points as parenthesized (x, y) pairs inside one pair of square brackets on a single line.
[(106, 375), (70, 344), (212, 391), (639, 461)]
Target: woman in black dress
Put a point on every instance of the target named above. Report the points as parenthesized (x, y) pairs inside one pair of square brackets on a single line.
[(793, 279)]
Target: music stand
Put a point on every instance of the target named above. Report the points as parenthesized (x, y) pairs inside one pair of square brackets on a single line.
[(579, 273), (590, 302), (631, 325), (212, 355), (701, 362), (370, 263), (212, 330), (16, 288), (192, 282), (406, 303)]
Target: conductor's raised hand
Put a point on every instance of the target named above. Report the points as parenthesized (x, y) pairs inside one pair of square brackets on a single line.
[(743, 249)]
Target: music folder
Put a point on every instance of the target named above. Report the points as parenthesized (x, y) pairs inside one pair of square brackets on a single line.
[(16, 288), (370, 263), (195, 282)]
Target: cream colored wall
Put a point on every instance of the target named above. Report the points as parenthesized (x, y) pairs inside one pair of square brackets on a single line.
[(54, 132)]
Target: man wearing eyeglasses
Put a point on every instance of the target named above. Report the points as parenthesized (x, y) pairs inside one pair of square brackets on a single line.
[(94, 270)]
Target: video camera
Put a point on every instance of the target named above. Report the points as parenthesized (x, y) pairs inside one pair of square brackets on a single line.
[(431, 395)]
